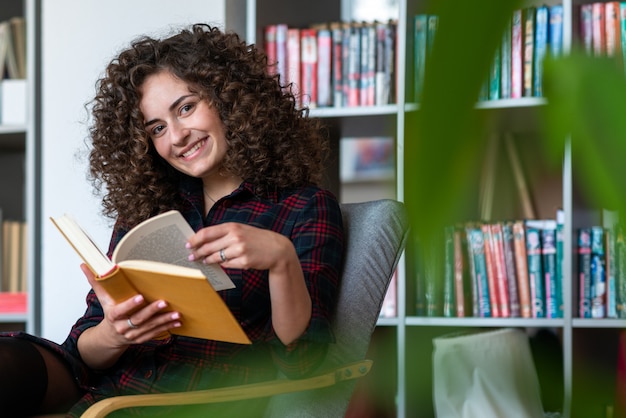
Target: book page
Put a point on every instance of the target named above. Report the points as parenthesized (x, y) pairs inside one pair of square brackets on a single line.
[(162, 238), (82, 243)]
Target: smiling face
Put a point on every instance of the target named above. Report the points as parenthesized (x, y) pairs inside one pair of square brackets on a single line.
[(185, 130)]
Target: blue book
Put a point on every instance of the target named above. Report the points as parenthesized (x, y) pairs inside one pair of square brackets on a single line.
[(549, 263), (541, 48), (478, 263), (598, 273), (584, 272), (555, 31), (535, 271), (420, 40), (505, 63)]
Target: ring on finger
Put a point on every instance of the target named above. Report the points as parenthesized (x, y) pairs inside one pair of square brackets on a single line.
[(222, 255), (130, 323)]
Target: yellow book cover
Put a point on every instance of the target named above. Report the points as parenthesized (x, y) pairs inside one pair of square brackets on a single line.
[(151, 259)]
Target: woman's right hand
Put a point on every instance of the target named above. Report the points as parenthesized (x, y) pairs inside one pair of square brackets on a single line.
[(129, 322)]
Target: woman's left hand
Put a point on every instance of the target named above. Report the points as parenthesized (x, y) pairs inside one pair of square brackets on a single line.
[(236, 245)]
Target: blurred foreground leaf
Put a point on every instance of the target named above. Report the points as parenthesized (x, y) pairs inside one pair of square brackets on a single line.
[(587, 103)]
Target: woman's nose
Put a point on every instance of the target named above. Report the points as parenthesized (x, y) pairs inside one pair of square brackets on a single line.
[(179, 132)]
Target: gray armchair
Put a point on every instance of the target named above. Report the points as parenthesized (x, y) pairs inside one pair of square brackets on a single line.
[(376, 234)]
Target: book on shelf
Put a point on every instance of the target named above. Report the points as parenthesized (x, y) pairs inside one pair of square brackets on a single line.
[(612, 29), (494, 92), (281, 52), (535, 269), (521, 267), (151, 259), (336, 29), (502, 279), (293, 63), (622, 20), (549, 262), (598, 273), (269, 43), (420, 41), (13, 302), (505, 63), (354, 66), (449, 302), (541, 48), (586, 27), (555, 31), (560, 257), (478, 271), (308, 55), (492, 282), (584, 272), (517, 55), (324, 67), (462, 291), (620, 273), (528, 57), (610, 269), (598, 29), (367, 89), (508, 248)]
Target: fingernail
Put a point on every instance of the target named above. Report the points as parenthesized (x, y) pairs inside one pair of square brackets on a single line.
[(162, 304), (187, 245), (175, 315), (138, 299), (191, 257)]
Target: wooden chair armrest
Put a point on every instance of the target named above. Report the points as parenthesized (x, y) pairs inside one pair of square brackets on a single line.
[(232, 393)]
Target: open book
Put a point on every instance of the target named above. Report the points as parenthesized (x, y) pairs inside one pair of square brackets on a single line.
[(151, 259)]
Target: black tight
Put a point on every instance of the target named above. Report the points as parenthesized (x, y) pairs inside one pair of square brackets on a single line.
[(33, 380)]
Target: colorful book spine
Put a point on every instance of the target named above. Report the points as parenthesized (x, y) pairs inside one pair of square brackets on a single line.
[(586, 27), (598, 28), (611, 270), (502, 280), (354, 66), (476, 246), (556, 31), (622, 19), (584, 272), (390, 59), (270, 48), (620, 274), (308, 50), (337, 37), (549, 262), (459, 273), (521, 268), (293, 62), (613, 29), (420, 40), (517, 55), (541, 48), (508, 247), (535, 271), (560, 251), (505, 63), (492, 282), (449, 302), (598, 273), (528, 22), (281, 52), (324, 67), (495, 76)]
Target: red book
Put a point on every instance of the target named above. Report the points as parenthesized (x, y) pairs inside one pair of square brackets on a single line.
[(494, 292), (324, 66), (270, 48), (502, 282), (586, 27), (13, 302), (612, 29), (521, 266), (308, 51), (598, 29), (281, 52), (293, 62), (516, 55)]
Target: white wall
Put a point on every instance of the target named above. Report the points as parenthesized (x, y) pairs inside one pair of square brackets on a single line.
[(78, 39)]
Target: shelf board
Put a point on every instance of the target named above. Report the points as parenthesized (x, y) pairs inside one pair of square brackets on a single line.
[(484, 322), (387, 322), (598, 323), (522, 102), (12, 317), (12, 129), (338, 112)]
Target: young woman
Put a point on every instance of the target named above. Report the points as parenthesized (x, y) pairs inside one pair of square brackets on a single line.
[(194, 122)]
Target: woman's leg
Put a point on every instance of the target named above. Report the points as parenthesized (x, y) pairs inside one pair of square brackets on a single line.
[(33, 380)]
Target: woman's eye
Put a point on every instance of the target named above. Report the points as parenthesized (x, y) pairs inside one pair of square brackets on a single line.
[(186, 108), (157, 130)]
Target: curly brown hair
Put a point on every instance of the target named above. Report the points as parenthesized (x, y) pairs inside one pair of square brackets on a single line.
[(272, 144)]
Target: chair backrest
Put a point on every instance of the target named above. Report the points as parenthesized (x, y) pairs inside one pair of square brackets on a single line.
[(376, 234)]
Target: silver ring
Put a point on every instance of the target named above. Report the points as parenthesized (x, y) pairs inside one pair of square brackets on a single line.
[(222, 255), (130, 324)]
